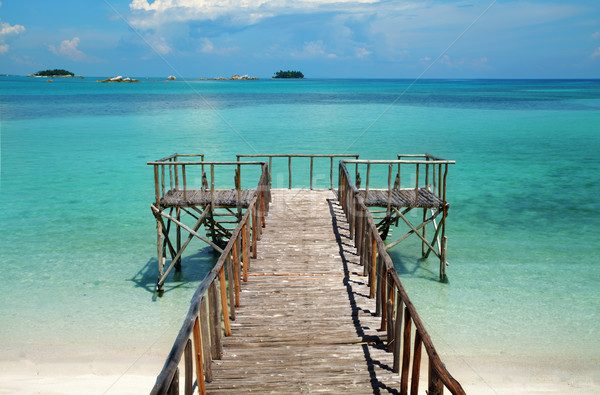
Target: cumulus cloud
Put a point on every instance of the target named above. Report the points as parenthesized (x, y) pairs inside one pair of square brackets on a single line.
[(596, 53), (68, 48), (313, 49), (6, 30)]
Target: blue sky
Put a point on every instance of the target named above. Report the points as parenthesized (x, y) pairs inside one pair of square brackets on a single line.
[(322, 38)]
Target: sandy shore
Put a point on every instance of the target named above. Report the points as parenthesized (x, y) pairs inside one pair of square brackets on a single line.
[(119, 374)]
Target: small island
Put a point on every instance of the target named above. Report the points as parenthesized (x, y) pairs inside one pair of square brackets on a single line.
[(289, 74), (52, 73)]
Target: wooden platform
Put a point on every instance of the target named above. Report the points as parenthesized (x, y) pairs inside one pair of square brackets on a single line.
[(198, 197), (402, 198), (305, 324)]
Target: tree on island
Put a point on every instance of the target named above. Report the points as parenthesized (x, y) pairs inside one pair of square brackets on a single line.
[(54, 73), (288, 74)]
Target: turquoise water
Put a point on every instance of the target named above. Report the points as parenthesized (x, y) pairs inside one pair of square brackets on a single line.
[(78, 239)]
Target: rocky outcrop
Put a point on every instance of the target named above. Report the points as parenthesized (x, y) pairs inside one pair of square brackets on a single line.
[(119, 79)]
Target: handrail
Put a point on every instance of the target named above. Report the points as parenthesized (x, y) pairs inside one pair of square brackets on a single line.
[(390, 295), (290, 156), (205, 325)]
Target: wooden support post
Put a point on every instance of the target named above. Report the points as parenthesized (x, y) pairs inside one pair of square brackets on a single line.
[(311, 172), (290, 172), (216, 348), (383, 295), (162, 179), (184, 183), (416, 367), (390, 314), (178, 230), (398, 331), (367, 184), (204, 331), (230, 287), (224, 308), (198, 354), (176, 173), (189, 368), (174, 386), (443, 259), (373, 279), (254, 230), (380, 282), (156, 188), (436, 387), (331, 174), (417, 187), (161, 261), (236, 272), (366, 253), (405, 353), (389, 197), (246, 257), (424, 248)]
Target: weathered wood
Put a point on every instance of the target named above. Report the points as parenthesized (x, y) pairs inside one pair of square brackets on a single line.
[(405, 352), (435, 385), (198, 355), (174, 387), (224, 308), (230, 287), (205, 334), (414, 381), (189, 368), (214, 312)]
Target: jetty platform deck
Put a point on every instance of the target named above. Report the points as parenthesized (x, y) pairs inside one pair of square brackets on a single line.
[(306, 323), (401, 198), (199, 197)]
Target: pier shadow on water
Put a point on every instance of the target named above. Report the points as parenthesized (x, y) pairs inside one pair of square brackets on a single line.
[(194, 268)]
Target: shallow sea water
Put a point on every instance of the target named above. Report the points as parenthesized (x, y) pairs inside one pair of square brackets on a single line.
[(78, 239)]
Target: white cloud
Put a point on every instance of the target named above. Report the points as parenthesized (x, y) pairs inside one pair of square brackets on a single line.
[(6, 29), (596, 35), (69, 49), (596, 53), (244, 12), (313, 49)]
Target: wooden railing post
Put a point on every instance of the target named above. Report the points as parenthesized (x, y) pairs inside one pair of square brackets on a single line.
[(214, 311), (189, 368), (416, 368), (436, 387), (405, 353), (224, 308), (204, 333), (198, 354), (373, 276)]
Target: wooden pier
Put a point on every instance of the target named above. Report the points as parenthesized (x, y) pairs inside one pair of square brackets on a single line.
[(304, 298)]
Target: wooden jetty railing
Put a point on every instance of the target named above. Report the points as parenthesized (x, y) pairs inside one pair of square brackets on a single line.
[(201, 202), (428, 192), (203, 323), (289, 157), (390, 296)]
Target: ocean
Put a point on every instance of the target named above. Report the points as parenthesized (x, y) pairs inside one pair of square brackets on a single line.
[(78, 239)]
